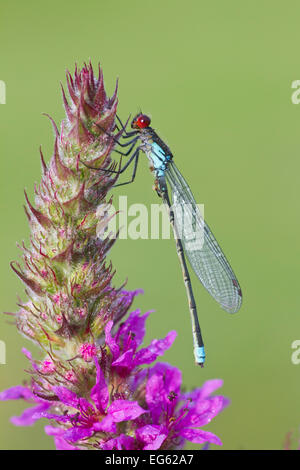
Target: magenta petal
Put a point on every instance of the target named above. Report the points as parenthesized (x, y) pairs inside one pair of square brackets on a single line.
[(226, 402), (151, 435), (29, 357), (211, 386), (199, 437), (99, 393), (164, 379), (156, 443), (16, 393), (123, 410), (85, 407), (126, 301), (147, 433), (53, 430), (107, 425), (155, 396), (30, 415), (27, 354), (76, 433), (120, 443), (195, 414), (215, 405), (60, 443), (172, 376), (125, 360), (156, 348), (134, 324), (110, 340), (61, 418), (206, 390), (202, 413), (138, 378), (67, 397)]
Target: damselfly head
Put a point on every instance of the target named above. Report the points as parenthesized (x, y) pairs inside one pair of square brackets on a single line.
[(140, 121)]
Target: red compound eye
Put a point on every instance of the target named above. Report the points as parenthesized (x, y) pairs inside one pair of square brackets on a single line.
[(142, 121)]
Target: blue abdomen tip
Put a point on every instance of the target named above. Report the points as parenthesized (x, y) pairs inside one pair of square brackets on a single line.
[(199, 355)]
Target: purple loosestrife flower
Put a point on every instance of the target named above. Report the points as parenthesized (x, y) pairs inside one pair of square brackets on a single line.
[(94, 382)]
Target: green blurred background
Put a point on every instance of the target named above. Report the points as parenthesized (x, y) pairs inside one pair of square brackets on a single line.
[(216, 78)]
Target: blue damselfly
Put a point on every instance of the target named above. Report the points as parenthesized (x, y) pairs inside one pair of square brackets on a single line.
[(203, 252)]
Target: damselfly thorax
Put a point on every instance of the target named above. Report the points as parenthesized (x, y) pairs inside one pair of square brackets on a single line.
[(157, 152)]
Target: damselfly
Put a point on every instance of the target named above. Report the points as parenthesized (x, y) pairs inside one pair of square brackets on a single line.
[(203, 252)]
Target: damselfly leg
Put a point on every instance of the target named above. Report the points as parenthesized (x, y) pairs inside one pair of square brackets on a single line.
[(122, 131), (127, 134), (134, 157)]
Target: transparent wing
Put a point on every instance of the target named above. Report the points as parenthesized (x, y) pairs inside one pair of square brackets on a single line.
[(202, 249)]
